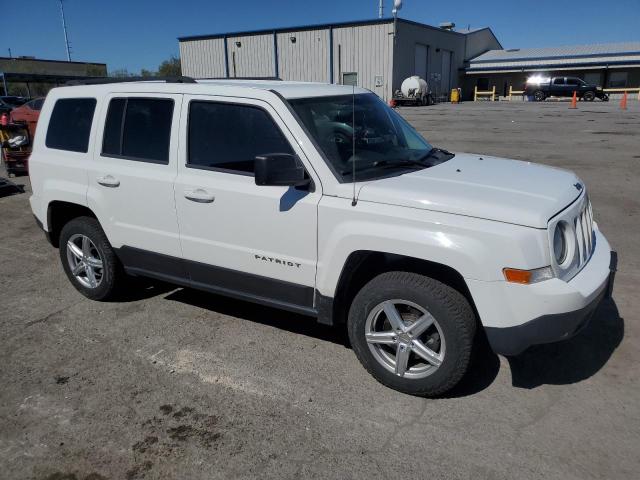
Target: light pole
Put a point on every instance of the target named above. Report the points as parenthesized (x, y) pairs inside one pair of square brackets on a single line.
[(64, 29)]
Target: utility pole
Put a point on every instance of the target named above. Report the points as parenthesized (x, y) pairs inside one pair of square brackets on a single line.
[(64, 28), (381, 9)]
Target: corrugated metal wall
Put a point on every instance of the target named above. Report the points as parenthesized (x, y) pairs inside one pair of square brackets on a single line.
[(367, 50), (203, 58), (439, 43), (306, 59), (253, 58)]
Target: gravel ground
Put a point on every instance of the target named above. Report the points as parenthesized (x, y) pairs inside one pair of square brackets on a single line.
[(174, 383)]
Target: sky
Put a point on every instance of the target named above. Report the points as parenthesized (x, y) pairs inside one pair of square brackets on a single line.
[(135, 34)]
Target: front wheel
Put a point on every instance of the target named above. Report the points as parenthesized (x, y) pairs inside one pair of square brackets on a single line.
[(539, 96), (588, 96), (412, 333)]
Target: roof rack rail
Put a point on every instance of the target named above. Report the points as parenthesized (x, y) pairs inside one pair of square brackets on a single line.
[(278, 79), (102, 80)]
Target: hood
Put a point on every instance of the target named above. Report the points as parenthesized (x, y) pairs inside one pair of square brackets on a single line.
[(481, 186)]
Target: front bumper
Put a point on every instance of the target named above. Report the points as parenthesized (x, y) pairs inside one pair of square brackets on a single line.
[(518, 316)]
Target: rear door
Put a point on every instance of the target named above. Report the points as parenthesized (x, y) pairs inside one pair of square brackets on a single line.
[(131, 179), (558, 87), (258, 242)]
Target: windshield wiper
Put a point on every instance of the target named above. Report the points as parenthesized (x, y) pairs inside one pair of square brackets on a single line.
[(390, 164), (433, 151)]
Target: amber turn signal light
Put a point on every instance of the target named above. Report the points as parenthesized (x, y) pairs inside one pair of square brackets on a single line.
[(527, 277), (514, 275)]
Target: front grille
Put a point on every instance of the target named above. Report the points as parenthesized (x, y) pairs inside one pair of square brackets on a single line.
[(583, 227)]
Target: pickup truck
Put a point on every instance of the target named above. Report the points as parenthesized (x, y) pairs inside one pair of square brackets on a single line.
[(540, 88)]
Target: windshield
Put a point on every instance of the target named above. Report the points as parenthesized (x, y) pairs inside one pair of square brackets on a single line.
[(385, 144)]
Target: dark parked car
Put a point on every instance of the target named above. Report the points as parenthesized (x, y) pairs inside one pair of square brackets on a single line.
[(11, 102), (541, 88)]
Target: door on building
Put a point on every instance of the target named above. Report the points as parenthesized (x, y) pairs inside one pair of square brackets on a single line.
[(446, 71), (421, 61)]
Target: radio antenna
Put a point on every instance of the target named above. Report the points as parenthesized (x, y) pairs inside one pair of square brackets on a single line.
[(354, 201)]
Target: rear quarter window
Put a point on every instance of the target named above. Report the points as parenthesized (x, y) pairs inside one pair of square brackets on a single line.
[(70, 124)]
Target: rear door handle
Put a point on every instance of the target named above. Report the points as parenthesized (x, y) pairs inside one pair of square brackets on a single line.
[(199, 195), (108, 181)]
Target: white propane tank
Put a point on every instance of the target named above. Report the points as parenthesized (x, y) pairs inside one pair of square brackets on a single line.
[(414, 87)]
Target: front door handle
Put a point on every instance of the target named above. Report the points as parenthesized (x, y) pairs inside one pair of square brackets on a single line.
[(108, 181), (199, 195)]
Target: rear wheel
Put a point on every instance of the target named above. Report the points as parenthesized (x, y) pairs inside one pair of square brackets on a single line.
[(539, 96), (412, 333), (588, 96), (89, 260)]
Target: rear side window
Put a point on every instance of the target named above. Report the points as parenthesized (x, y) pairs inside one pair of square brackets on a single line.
[(70, 124), (138, 129), (230, 136)]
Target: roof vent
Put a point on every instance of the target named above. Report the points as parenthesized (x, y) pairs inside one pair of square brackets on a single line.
[(447, 25)]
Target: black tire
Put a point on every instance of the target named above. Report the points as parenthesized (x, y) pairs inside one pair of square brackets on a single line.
[(449, 307), (539, 96), (112, 273), (605, 98), (588, 96)]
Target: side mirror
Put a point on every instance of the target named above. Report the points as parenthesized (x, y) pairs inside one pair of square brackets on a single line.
[(280, 169)]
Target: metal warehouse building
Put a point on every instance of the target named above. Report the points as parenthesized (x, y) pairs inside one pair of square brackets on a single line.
[(612, 65), (376, 54)]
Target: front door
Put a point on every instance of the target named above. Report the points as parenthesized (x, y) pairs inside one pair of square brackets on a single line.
[(238, 238)]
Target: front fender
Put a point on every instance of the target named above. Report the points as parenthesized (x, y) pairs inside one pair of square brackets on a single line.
[(476, 248)]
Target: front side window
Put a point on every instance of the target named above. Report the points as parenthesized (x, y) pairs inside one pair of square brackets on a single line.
[(360, 132), (228, 137), (70, 124), (574, 81), (558, 81), (138, 129)]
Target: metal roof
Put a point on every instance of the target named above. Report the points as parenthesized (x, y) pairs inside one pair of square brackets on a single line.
[(321, 26), (604, 54)]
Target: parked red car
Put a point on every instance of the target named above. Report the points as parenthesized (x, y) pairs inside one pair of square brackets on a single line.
[(29, 114)]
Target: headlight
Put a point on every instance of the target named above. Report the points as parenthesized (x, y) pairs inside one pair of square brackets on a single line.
[(560, 243)]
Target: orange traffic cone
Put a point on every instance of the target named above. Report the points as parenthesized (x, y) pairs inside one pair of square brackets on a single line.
[(574, 100), (623, 102), (393, 103)]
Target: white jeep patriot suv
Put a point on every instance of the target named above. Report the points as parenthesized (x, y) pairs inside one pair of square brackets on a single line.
[(321, 200)]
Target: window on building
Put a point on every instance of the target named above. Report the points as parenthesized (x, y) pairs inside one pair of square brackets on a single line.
[(70, 124), (229, 137), (350, 78), (618, 79), (138, 129), (593, 78)]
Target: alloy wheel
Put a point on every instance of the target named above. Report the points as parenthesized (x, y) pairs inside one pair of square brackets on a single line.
[(405, 339), (85, 262)]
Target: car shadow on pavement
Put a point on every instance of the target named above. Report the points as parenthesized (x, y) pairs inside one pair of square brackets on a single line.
[(483, 370), (291, 322), (573, 360)]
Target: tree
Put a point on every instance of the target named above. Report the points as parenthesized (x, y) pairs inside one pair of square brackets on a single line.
[(170, 67), (121, 73)]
